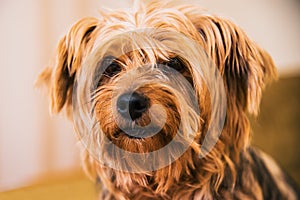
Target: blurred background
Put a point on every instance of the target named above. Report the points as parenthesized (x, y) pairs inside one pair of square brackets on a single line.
[(37, 149)]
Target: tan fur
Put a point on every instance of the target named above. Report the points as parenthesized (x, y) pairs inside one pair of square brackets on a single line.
[(244, 66)]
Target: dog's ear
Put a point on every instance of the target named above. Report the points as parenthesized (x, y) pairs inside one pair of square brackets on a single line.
[(71, 51), (246, 68)]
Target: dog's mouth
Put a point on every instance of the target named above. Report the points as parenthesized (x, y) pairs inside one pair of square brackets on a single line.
[(140, 141), (136, 133), (133, 136)]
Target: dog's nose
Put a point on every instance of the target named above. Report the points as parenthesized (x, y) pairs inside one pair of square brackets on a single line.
[(132, 106)]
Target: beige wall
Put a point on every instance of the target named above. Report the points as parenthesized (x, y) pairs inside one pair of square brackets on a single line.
[(32, 143)]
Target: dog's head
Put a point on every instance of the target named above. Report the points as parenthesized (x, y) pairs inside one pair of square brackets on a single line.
[(147, 89)]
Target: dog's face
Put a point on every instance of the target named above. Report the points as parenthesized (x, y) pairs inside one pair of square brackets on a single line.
[(136, 97), (141, 81)]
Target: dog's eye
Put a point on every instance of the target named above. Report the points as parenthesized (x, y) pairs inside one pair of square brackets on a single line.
[(113, 69), (111, 65), (176, 64)]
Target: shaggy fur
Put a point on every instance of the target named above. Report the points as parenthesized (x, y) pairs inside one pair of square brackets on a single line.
[(232, 169)]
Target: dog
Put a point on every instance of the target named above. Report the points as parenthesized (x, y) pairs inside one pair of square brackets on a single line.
[(159, 96)]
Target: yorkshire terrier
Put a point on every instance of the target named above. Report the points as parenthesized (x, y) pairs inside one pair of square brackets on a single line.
[(159, 96)]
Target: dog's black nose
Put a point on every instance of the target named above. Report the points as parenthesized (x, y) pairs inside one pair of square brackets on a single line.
[(132, 106)]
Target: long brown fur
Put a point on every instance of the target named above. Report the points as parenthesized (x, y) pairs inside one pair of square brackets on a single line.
[(232, 168)]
